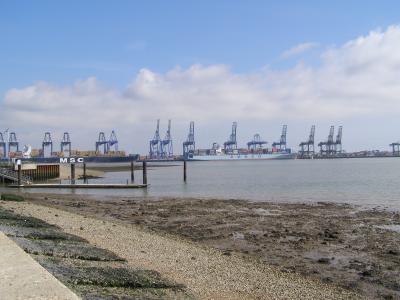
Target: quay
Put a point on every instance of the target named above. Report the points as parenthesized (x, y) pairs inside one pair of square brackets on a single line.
[(22, 182)]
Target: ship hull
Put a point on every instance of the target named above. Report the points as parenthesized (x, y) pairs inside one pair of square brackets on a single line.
[(234, 157), (89, 159)]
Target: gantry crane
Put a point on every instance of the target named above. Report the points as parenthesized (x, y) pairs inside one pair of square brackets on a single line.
[(113, 142), (327, 148), (3, 152), (307, 147), (166, 144), (47, 143), (102, 141), (65, 144), (256, 144), (281, 145), (155, 143), (13, 142), (189, 145), (231, 144)]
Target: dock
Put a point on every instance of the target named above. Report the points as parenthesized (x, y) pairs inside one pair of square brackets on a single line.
[(80, 186)]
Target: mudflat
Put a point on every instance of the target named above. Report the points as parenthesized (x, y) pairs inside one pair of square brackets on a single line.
[(354, 248)]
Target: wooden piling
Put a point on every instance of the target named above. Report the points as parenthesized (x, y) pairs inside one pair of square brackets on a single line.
[(132, 172), (19, 174), (184, 170), (84, 173), (144, 172), (72, 173)]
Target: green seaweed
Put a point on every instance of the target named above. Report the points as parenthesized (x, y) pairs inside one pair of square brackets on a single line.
[(11, 197)]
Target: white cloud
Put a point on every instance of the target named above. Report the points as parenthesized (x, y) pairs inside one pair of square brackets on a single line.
[(358, 79), (299, 49)]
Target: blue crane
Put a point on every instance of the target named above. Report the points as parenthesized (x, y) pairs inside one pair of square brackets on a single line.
[(47, 142), (3, 152), (13, 142), (155, 152), (281, 145), (113, 142), (101, 141), (189, 146), (256, 143), (166, 144), (65, 143), (231, 144)]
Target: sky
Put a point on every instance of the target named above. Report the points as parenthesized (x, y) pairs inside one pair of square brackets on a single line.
[(91, 66)]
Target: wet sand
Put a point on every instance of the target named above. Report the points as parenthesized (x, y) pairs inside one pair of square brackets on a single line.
[(340, 245)]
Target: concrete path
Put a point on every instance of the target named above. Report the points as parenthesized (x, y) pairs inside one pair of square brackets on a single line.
[(21, 277)]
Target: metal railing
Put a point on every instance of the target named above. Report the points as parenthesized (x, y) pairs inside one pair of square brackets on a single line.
[(12, 175)]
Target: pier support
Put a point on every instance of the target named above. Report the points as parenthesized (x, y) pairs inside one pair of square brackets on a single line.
[(132, 172), (144, 172), (184, 170), (84, 173), (19, 173), (72, 173)]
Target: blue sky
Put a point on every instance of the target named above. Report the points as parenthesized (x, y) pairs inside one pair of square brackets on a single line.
[(61, 42)]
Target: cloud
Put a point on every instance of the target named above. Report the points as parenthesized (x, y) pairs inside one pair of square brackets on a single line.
[(355, 80), (299, 49)]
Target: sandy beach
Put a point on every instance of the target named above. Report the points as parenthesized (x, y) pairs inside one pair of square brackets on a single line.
[(206, 270)]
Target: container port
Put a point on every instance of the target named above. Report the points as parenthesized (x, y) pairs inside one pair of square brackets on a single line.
[(161, 149), (106, 150)]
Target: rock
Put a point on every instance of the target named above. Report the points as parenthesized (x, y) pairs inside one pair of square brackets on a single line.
[(366, 273), (323, 260), (393, 252), (329, 234)]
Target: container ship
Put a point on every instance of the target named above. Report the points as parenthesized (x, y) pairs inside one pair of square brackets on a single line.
[(29, 155), (255, 149), (86, 159), (239, 154)]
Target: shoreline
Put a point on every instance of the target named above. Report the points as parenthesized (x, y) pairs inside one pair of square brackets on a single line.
[(338, 244), (207, 273)]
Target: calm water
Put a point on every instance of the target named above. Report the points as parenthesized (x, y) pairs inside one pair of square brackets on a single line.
[(370, 181)]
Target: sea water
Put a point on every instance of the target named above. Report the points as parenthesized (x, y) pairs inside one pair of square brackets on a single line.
[(367, 181)]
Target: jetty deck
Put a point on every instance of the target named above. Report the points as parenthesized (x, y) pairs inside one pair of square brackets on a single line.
[(80, 186)]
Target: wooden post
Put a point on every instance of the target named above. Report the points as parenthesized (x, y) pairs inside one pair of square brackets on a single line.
[(144, 172), (184, 170), (19, 174), (132, 172), (84, 173), (72, 173)]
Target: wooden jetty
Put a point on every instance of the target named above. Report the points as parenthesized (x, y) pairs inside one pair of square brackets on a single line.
[(80, 186)]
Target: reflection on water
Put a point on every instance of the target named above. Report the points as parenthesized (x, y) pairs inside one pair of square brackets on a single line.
[(370, 181)]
